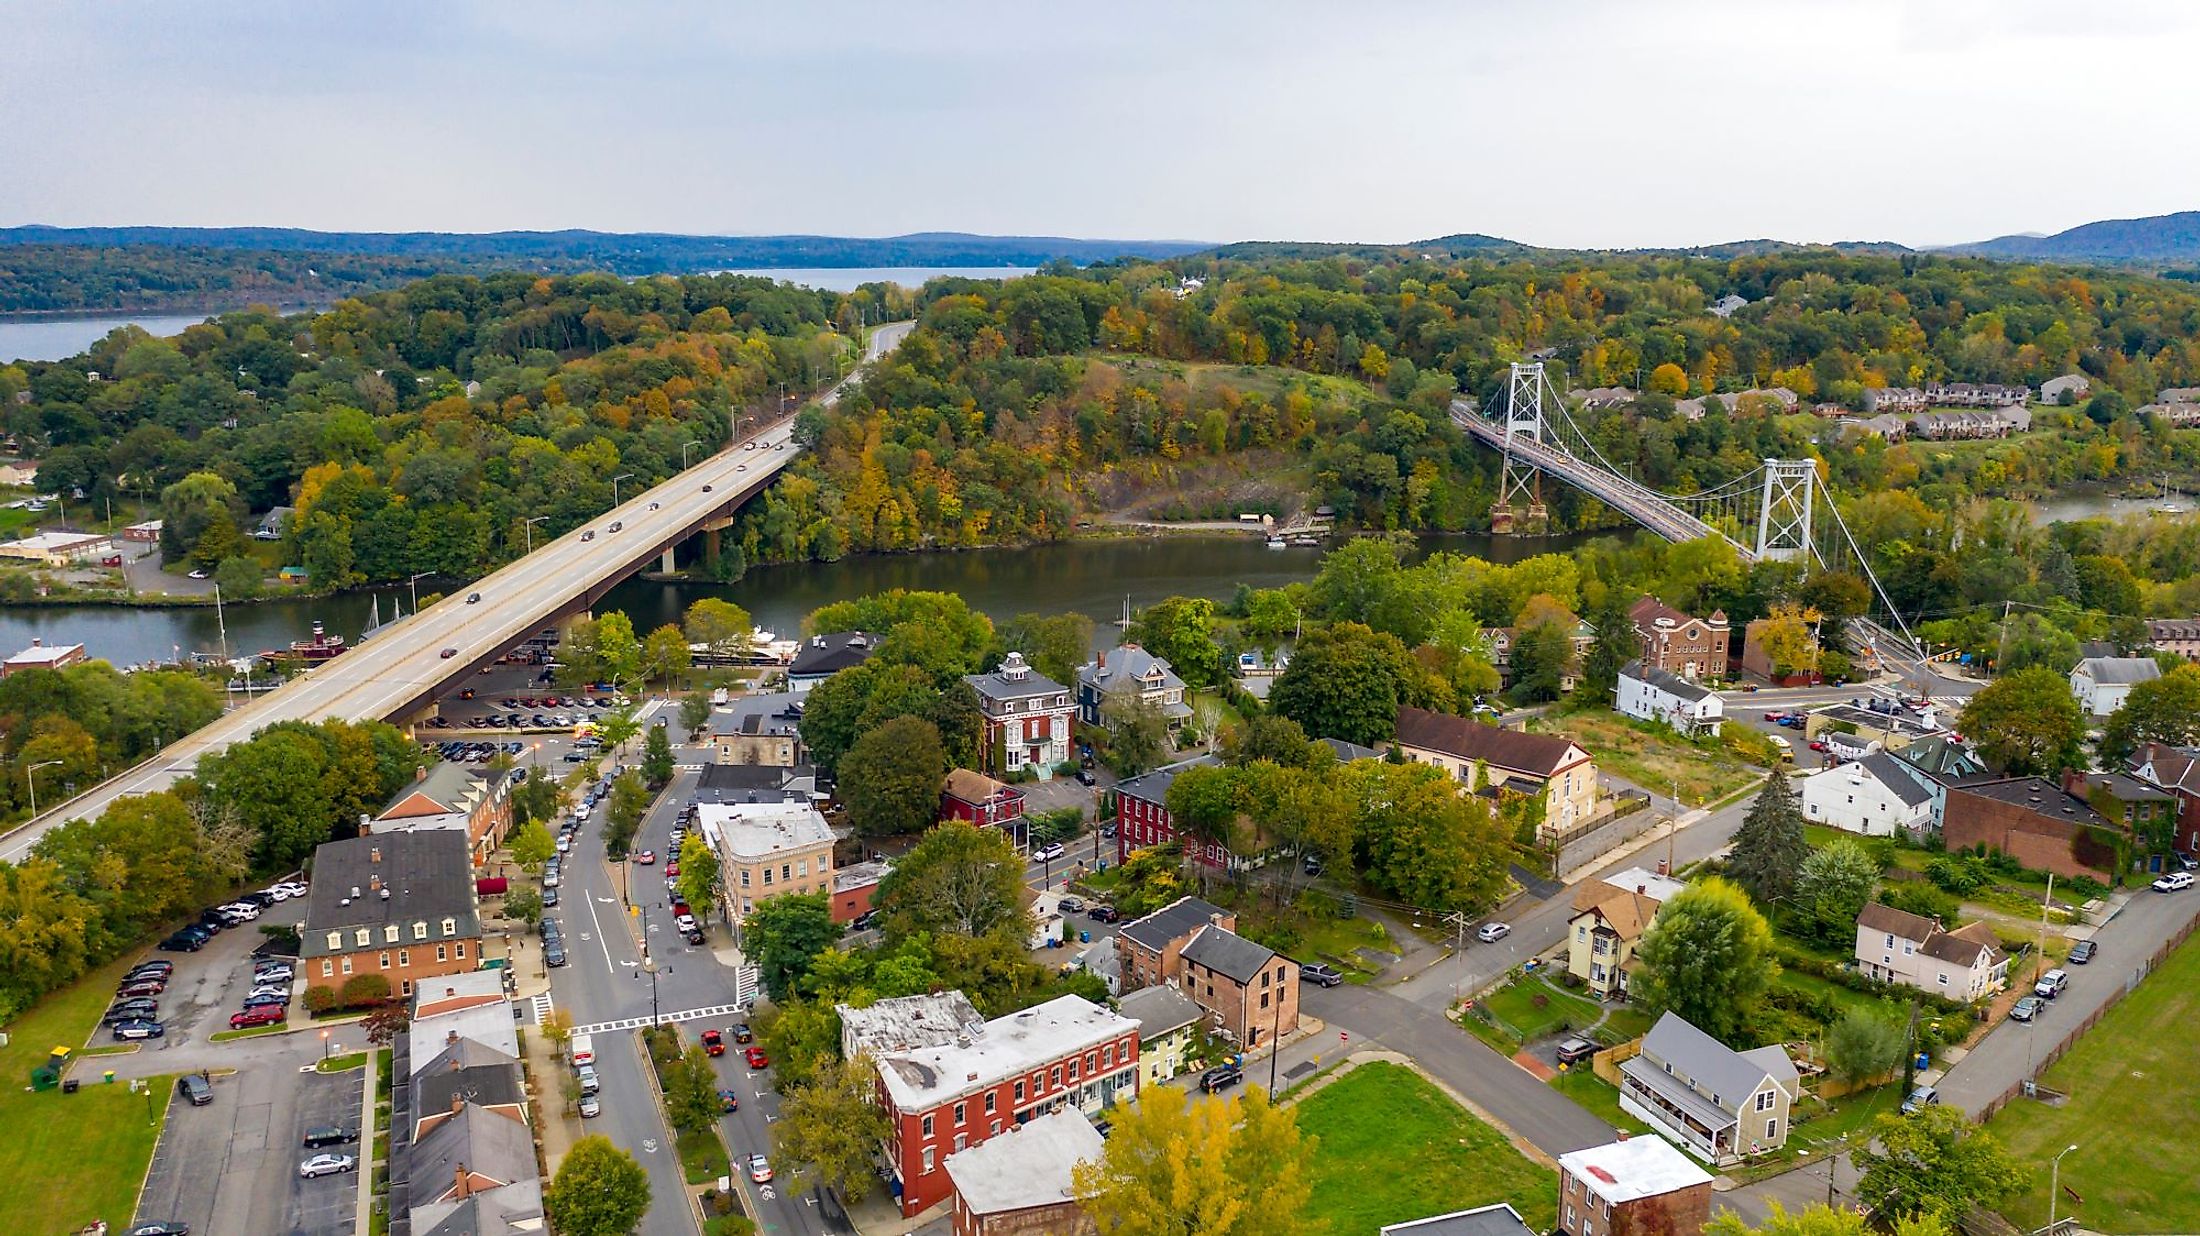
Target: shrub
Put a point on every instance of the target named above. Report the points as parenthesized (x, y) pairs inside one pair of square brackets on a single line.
[(362, 990), (319, 999), (1957, 874), (1572, 981), (1923, 900)]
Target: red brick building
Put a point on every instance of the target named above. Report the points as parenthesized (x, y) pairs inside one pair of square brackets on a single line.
[(2033, 821), (947, 1085), (1149, 950), (1246, 989), (2175, 772), (978, 799), (1027, 718), (1680, 643), (1142, 811), (400, 905), (853, 887), (1609, 1189), (1021, 1182)]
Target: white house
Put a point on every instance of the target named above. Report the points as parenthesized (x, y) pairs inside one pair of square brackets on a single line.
[(1896, 946), (1714, 1102), (2051, 391), (1656, 695), (2101, 683), (1872, 796)]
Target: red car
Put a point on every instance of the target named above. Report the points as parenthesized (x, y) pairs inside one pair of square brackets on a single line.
[(756, 1058), (257, 1015), (646, 857), (714, 1042), (672, 870)]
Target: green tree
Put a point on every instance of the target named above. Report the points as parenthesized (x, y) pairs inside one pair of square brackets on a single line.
[(657, 764), (943, 615), (694, 712), (1347, 681), (665, 655), (2165, 710), (1419, 840), (832, 714), (239, 577), (830, 1126), (1708, 957), (1264, 736), (1769, 848), (801, 1036), (1817, 1220), (599, 1190), (1169, 1167), (532, 846), (524, 904), (1862, 1045), (691, 1091), (698, 875), (1181, 631), (2027, 723), (784, 934), (1054, 644), (1542, 661), (271, 784), (618, 649), (537, 799), (890, 778), (958, 880), (1617, 643), (1832, 888), (723, 628), (1138, 733), (1933, 1163)]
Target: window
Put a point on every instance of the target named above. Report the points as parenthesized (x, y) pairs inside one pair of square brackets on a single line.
[(404, 958), (990, 1096), (462, 950), (385, 960), (1264, 978), (335, 941), (1764, 1101), (802, 867), (1943, 980), (1073, 1068), (1092, 1062), (389, 934), (450, 926), (364, 936), (767, 877), (786, 871), (1019, 1090), (928, 1153), (1054, 1076), (961, 1111), (328, 968), (442, 952), (744, 877), (347, 965), (1264, 999), (1107, 1056), (996, 1129), (926, 1124), (1772, 1129), (961, 1140), (420, 931)]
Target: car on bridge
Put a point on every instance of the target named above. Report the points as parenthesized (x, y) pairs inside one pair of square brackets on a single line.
[(448, 653)]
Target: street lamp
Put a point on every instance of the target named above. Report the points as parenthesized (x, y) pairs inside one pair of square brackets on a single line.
[(529, 526), (623, 476), (649, 965), (2054, 1185), (684, 448), (324, 1045), (414, 584), (32, 777)]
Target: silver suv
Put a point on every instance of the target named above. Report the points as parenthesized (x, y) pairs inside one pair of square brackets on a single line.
[(2051, 984)]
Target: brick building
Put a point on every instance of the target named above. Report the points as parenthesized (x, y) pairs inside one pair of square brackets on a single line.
[(1027, 718), (853, 887), (766, 849), (948, 1085), (2033, 821), (979, 800), (400, 905), (1020, 1182), (1680, 643), (1148, 949), (1142, 811), (458, 797), (1608, 1189), (1251, 991)]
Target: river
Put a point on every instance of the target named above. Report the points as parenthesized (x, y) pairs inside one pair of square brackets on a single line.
[(54, 338), (1093, 576)]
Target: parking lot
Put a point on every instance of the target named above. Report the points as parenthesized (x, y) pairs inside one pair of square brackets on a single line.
[(232, 1166)]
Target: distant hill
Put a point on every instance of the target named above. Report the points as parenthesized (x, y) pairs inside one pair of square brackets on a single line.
[(638, 253), (2157, 238)]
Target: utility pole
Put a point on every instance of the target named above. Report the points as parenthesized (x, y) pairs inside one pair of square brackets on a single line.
[(1458, 921), (1673, 825)]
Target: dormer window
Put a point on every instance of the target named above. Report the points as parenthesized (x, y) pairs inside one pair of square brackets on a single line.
[(450, 926), (389, 934), (364, 937), (420, 930), (335, 941)]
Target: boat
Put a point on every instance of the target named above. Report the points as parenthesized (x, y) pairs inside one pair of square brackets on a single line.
[(1307, 539), (320, 647), (2168, 503), (1277, 542)]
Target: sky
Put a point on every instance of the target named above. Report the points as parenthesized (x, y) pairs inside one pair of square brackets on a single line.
[(1568, 123)]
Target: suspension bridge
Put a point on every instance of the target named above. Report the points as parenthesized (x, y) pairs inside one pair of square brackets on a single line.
[(1778, 511)]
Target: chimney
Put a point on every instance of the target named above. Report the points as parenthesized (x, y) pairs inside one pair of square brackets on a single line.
[(422, 774), (1642, 889), (1623, 1135), (450, 1038), (450, 992), (374, 855), (458, 1102), (375, 883), (459, 1188)]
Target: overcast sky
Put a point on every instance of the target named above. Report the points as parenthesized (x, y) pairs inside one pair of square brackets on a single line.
[(1557, 122)]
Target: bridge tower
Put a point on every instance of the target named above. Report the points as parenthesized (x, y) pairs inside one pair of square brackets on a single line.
[(1521, 482), (1784, 510)]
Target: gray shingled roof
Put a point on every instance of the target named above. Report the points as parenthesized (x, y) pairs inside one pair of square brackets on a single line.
[(498, 1147), (1497, 1219), (1666, 681), (1893, 774), (1227, 952), (490, 1085), (428, 875), (2119, 671), (1173, 921), (1153, 787), (1714, 1067), (1158, 1010), (824, 655)]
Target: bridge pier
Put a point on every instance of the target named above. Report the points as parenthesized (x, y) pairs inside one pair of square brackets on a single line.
[(665, 564), (710, 550)]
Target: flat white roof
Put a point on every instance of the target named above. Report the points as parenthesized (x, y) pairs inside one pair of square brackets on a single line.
[(923, 1078), (760, 830), (1664, 888), (1028, 1165), (1636, 1168), (49, 542), (45, 654), (487, 1024)]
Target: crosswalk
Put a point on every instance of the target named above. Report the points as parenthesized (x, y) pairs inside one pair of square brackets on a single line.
[(543, 1006), (636, 1023)]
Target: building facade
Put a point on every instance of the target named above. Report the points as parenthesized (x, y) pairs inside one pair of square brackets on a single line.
[(1679, 643), (1130, 672), (766, 849), (1896, 946), (1166, 1018), (822, 656), (1647, 693), (2031, 820), (400, 905), (42, 655), (1250, 992), (1020, 1183), (1872, 797), (1485, 758), (1027, 718), (1610, 1190), (458, 797), (1143, 819), (758, 729), (1608, 921), (1712, 1101), (982, 802), (1149, 950), (2100, 684)]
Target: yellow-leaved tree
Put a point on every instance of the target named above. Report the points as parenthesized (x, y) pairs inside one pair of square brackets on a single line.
[(1219, 1169)]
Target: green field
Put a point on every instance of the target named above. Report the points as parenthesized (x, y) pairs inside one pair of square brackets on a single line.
[(1657, 760), (2133, 1113), (1596, 1096), (1393, 1148), (68, 1159)]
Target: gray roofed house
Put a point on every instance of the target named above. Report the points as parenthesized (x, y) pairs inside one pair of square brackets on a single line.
[(1226, 952), (2076, 383), (1892, 773), (1158, 1011), (511, 1210), (2100, 684), (1027, 1170), (439, 1092), (270, 527), (755, 783), (1497, 1219), (493, 1150), (1350, 751), (1130, 670), (1715, 1102), (1153, 787), (822, 656), (464, 1054), (758, 729), (1172, 922), (489, 1025), (419, 884)]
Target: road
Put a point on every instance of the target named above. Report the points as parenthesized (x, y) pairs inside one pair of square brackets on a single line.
[(409, 659)]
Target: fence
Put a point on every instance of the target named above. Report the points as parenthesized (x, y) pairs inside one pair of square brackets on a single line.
[(2054, 1053), (1629, 820)]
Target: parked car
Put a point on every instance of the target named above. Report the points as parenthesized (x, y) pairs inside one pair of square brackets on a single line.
[(159, 1229), (742, 1033), (2082, 952), (1105, 913), (258, 1015), (756, 1058), (130, 1010), (1220, 1077), (553, 953), (194, 1089), (549, 897), (139, 1030), (151, 969), (1072, 904), (182, 943), (327, 1135), (1048, 853), (1576, 1050), (141, 987), (590, 1084), (714, 1042), (728, 1101), (2173, 882), (645, 857), (591, 1106), (2027, 1008), (760, 1169), (693, 935), (1923, 1096), (1319, 974), (1491, 933), (2051, 984), (1085, 777), (327, 1165)]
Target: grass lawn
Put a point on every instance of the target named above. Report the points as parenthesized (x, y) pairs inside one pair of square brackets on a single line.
[(1657, 760), (2133, 1113), (1308, 930), (1596, 1096), (703, 1156), (1393, 1148), (68, 1159), (1516, 1004)]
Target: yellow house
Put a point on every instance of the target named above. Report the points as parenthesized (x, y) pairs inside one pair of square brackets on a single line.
[(1608, 921), (1485, 758), (1166, 1018)]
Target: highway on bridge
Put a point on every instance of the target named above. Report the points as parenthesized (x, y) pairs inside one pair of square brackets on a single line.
[(408, 662)]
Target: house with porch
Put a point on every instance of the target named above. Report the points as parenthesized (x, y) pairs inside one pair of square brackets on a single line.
[(1710, 1100), (1608, 920), (1026, 719), (1130, 672), (1896, 946)]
